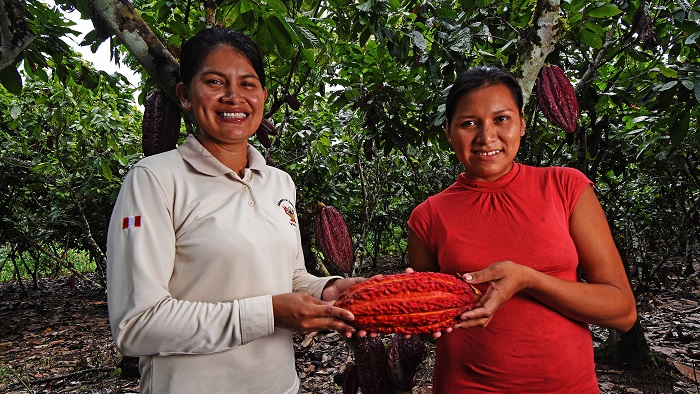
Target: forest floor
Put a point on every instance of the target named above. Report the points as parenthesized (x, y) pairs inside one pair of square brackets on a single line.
[(56, 339)]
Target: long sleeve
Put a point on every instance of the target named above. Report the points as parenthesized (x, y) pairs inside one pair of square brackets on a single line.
[(145, 318)]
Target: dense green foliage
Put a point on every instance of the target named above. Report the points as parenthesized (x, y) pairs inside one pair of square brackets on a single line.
[(368, 138), (65, 148)]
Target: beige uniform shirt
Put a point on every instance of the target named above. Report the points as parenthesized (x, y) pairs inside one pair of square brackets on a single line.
[(194, 255)]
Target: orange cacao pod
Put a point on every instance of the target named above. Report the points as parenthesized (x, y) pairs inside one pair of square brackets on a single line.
[(557, 99), (333, 238), (410, 303), (160, 128)]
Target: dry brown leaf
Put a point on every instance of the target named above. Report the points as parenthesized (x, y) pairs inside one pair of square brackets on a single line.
[(690, 372)]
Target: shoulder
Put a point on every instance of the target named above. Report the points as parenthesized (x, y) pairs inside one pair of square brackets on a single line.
[(162, 162), (560, 175)]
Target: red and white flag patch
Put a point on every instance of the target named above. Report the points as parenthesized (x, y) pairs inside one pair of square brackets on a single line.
[(131, 222)]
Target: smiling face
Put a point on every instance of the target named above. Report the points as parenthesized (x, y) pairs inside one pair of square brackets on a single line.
[(485, 132), (226, 97)]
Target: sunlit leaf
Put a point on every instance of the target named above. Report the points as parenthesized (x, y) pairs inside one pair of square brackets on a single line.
[(605, 11)]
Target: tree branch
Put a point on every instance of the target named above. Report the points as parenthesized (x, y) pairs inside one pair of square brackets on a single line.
[(538, 42), (143, 44), (14, 32)]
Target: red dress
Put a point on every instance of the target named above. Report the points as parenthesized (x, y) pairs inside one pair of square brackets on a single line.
[(523, 217)]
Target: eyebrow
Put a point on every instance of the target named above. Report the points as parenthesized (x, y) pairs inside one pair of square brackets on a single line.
[(244, 76)]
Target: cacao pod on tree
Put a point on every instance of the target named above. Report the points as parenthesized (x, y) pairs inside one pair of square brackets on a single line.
[(642, 29), (292, 101), (371, 360), (404, 358), (160, 128), (268, 127), (409, 303), (333, 238), (557, 99), (264, 131)]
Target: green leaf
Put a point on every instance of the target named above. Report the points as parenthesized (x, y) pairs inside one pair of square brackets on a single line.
[(418, 39), (11, 80), (668, 72), (678, 133), (590, 37), (605, 11), (106, 171), (667, 85)]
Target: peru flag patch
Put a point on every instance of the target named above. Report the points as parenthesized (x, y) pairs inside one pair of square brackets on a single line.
[(131, 222)]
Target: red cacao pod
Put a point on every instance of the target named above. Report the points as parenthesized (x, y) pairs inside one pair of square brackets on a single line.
[(267, 127), (405, 356), (263, 138), (160, 127), (557, 99), (409, 303), (333, 238), (351, 383), (371, 360)]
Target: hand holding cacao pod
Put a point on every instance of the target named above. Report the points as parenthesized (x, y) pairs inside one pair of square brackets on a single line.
[(303, 313), (408, 303)]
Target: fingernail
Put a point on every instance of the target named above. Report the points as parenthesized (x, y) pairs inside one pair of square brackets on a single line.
[(468, 277)]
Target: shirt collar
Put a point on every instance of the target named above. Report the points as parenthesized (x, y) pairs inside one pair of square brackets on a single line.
[(201, 160)]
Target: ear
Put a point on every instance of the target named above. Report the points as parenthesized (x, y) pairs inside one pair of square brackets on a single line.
[(184, 95), (522, 123), (265, 92), (447, 132)]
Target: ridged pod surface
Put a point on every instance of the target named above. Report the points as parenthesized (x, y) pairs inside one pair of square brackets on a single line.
[(160, 128), (409, 303), (556, 98), (333, 238), (372, 373), (351, 383), (404, 358)]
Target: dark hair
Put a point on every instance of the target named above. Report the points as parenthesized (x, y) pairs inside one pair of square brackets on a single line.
[(198, 47), (477, 77)]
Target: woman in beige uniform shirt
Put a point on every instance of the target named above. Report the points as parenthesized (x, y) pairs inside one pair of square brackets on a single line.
[(206, 277)]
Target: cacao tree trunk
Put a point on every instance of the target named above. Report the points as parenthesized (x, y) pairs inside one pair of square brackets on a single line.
[(15, 34), (121, 17), (537, 43)]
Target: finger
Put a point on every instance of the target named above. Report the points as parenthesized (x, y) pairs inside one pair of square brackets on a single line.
[(338, 313), (409, 270)]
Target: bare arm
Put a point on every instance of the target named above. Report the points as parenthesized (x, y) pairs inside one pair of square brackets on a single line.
[(419, 257), (606, 298)]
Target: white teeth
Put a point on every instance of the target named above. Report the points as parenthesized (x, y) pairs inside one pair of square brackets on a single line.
[(494, 152), (233, 115)]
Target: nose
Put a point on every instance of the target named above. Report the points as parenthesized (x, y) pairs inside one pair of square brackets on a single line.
[(487, 133), (232, 94)]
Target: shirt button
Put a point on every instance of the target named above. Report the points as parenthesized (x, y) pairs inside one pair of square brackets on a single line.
[(245, 187), (251, 203)]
